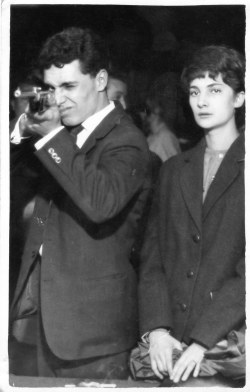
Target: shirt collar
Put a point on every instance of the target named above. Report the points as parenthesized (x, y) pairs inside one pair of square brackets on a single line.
[(91, 123)]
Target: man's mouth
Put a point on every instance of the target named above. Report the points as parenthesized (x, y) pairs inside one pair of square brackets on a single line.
[(63, 111)]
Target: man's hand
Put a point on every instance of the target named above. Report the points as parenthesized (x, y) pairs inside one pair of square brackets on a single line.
[(161, 352), (40, 124), (190, 361)]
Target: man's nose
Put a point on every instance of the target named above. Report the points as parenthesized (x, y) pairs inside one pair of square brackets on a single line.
[(59, 97)]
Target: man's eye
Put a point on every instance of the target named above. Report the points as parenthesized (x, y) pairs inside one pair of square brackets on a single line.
[(69, 86)]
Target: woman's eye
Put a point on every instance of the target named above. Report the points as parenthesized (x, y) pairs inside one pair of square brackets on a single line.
[(193, 93), (215, 91)]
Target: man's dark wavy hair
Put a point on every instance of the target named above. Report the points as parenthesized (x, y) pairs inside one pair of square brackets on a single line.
[(71, 44), (215, 60)]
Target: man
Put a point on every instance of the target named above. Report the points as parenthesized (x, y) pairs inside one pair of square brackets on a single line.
[(76, 280), (192, 288)]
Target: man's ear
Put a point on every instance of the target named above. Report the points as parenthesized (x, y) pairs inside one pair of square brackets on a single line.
[(102, 80), (239, 99)]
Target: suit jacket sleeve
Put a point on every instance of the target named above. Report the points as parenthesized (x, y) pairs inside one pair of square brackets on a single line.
[(102, 186), (154, 302)]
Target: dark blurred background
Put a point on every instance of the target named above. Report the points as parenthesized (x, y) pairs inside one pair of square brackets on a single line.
[(144, 41), (147, 38)]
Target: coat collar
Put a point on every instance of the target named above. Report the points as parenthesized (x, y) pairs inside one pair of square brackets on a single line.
[(191, 181), (106, 125), (226, 174), (191, 178)]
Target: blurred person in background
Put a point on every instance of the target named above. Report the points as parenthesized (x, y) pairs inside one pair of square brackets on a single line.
[(24, 181), (117, 88), (162, 109)]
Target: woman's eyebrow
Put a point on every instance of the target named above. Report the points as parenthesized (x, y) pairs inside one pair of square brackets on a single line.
[(214, 84), (208, 85)]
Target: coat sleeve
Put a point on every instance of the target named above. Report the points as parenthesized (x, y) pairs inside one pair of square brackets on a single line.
[(154, 302), (100, 185)]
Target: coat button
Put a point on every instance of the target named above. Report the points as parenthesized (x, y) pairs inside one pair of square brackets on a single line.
[(183, 307), (196, 238), (190, 274), (40, 222), (232, 335), (133, 250)]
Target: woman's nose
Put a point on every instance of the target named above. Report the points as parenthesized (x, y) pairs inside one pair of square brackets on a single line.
[(202, 100)]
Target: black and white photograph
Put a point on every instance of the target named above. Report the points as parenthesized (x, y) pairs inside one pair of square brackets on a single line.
[(123, 195)]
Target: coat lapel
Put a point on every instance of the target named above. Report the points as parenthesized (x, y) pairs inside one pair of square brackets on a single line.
[(191, 181), (103, 128), (226, 175)]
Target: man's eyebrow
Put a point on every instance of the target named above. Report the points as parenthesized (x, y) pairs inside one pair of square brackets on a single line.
[(69, 82)]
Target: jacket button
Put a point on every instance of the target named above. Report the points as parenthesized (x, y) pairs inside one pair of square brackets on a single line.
[(40, 222), (190, 274), (183, 307), (196, 238), (51, 150), (232, 335), (133, 250)]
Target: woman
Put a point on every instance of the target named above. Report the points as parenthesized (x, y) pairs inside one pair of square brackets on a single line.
[(192, 290)]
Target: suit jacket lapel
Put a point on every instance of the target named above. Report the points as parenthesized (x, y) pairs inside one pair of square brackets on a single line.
[(226, 175), (106, 125), (191, 181)]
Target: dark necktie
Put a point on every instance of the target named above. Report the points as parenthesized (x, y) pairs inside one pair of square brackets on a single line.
[(74, 131)]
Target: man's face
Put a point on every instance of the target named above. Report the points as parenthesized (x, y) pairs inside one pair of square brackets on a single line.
[(213, 102), (76, 94)]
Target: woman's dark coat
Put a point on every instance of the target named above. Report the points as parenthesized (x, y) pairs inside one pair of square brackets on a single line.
[(192, 273)]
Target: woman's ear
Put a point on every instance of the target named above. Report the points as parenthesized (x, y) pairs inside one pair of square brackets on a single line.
[(102, 80), (239, 99)]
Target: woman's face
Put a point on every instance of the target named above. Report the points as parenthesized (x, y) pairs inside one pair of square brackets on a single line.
[(213, 102)]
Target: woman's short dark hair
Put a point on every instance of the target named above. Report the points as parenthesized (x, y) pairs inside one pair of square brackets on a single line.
[(72, 44), (216, 60)]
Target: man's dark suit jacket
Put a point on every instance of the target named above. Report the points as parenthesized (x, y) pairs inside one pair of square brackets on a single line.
[(86, 216), (192, 273)]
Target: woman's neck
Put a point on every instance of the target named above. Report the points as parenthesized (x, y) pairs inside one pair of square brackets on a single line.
[(221, 138)]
